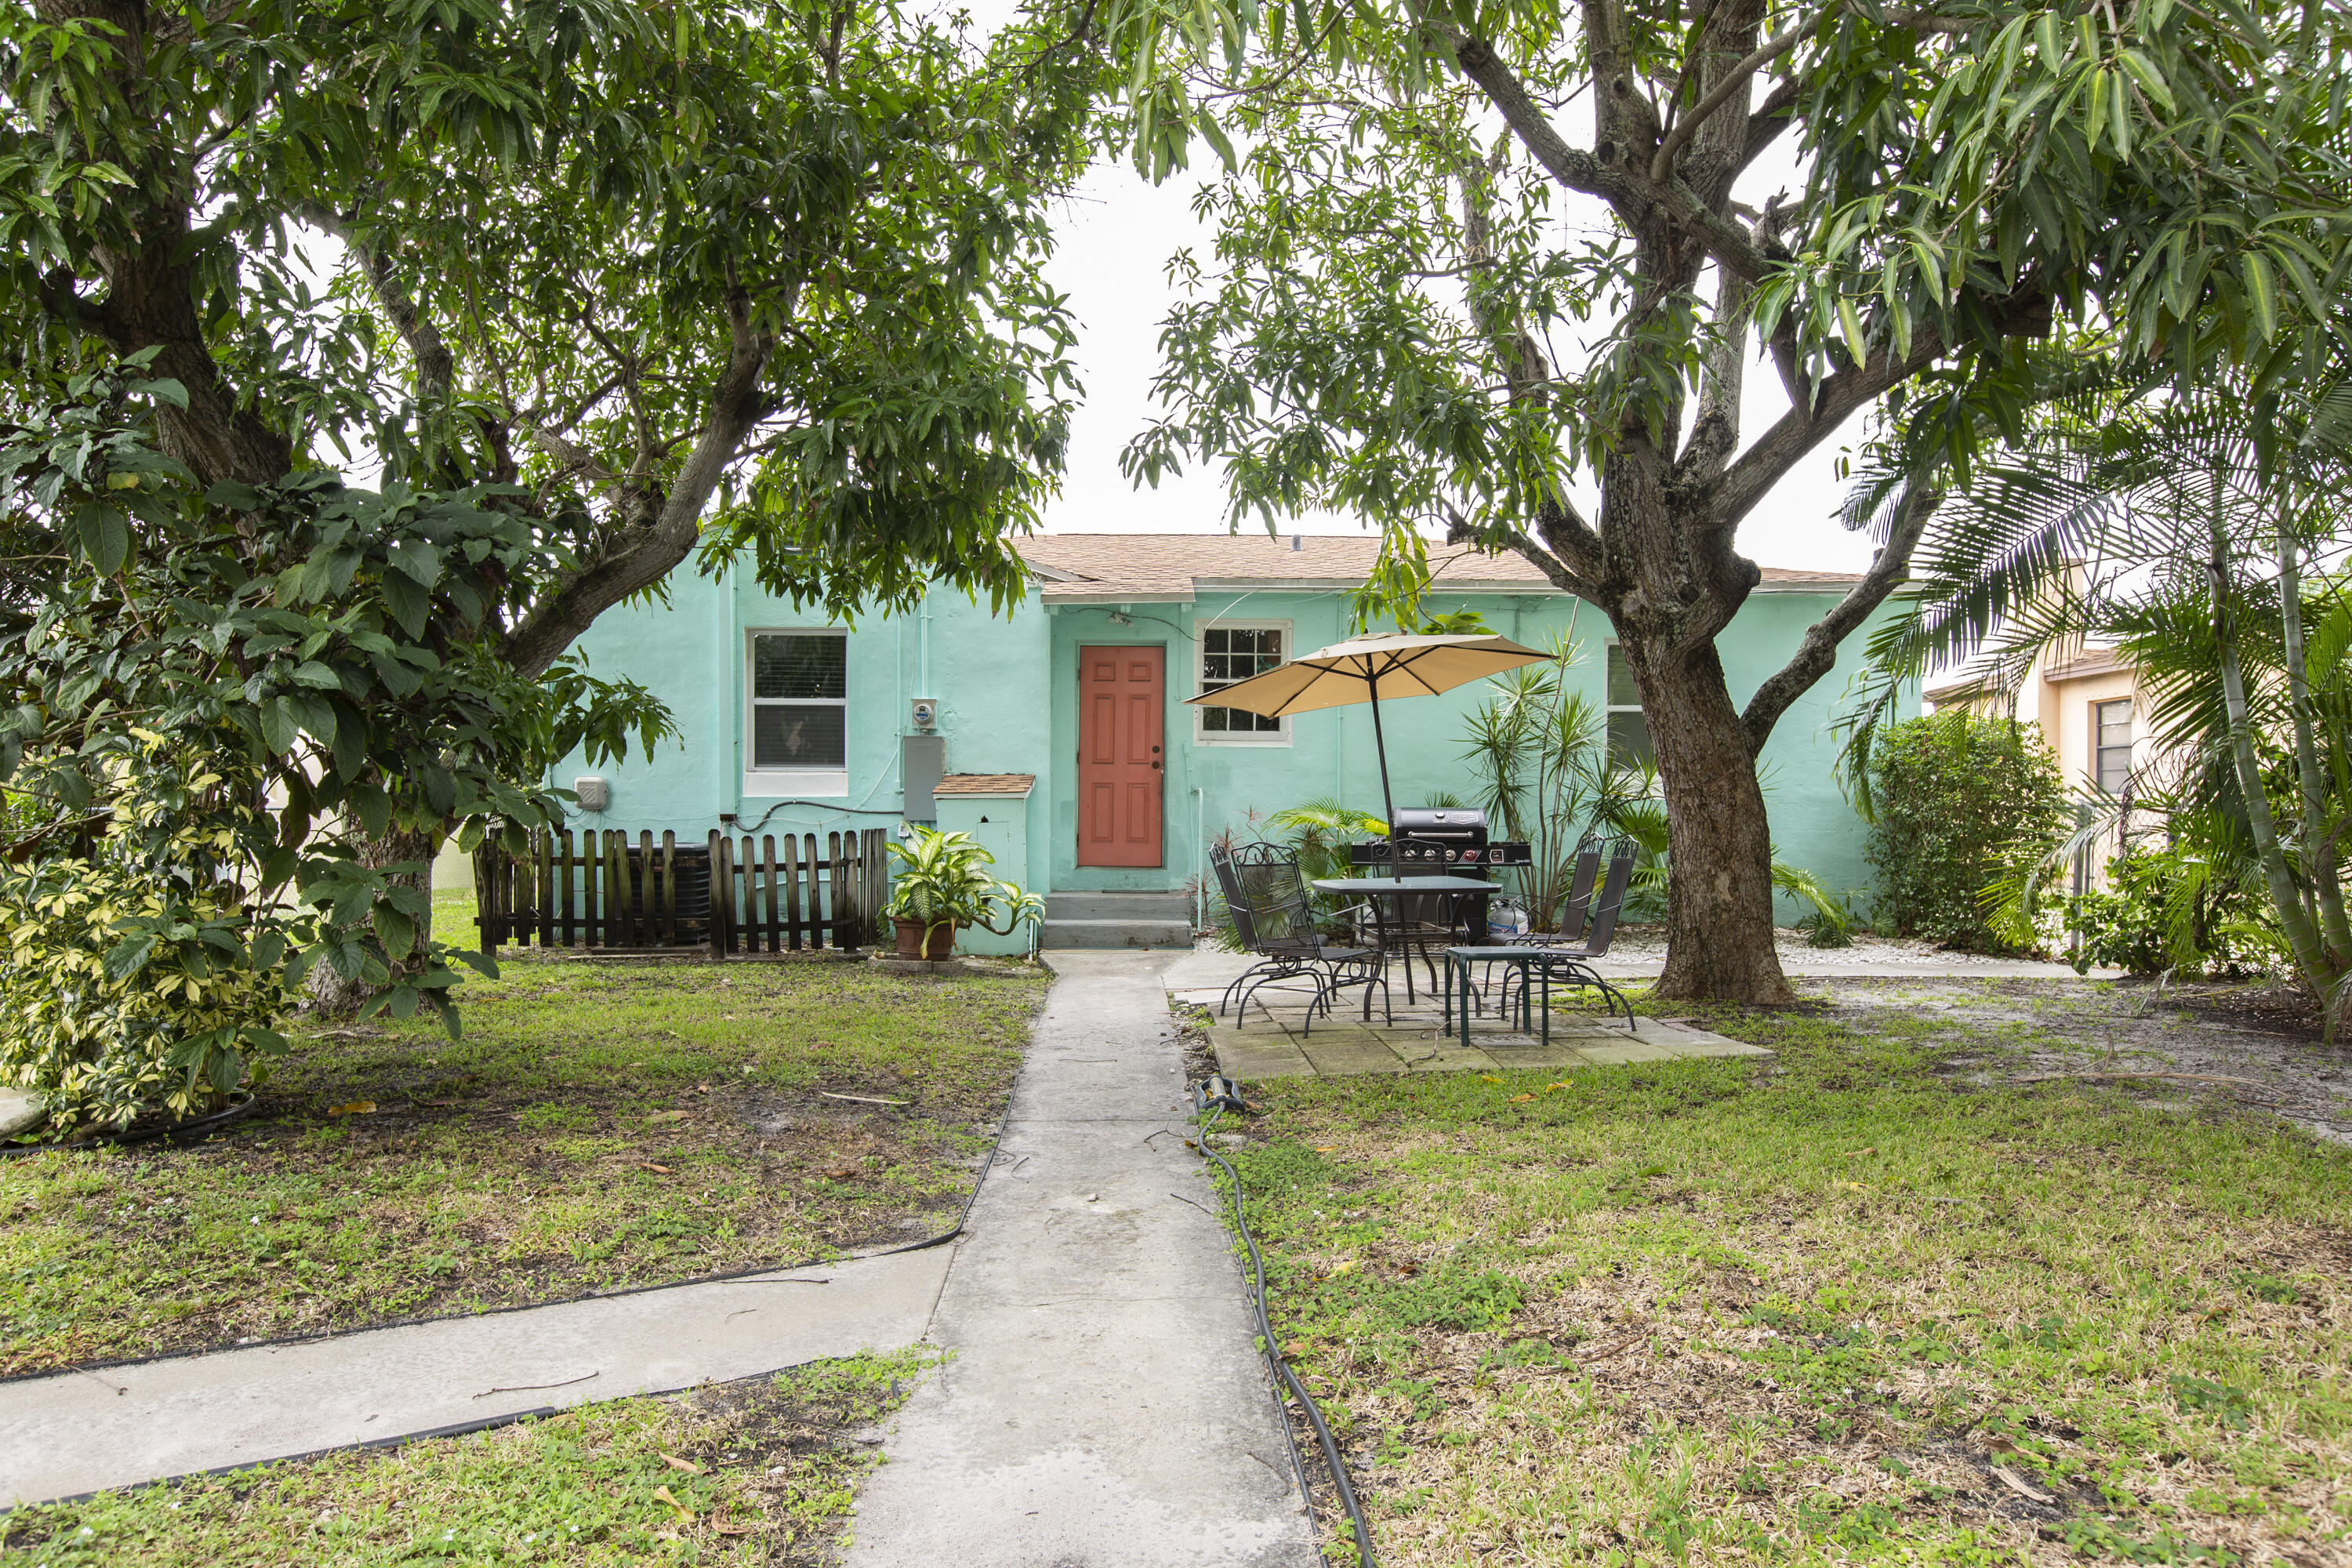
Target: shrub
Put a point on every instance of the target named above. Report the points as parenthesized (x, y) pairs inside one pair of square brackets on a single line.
[(2171, 909), (129, 979), (1958, 803)]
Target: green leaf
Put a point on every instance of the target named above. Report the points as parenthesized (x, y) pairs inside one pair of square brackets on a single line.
[(1850, 325), (224, 1069), (279, 724), (374, 808), (394, 930), (128, 957), (104, 535), (2261, 289), (408, 603), (2151, 81), (421, 562)]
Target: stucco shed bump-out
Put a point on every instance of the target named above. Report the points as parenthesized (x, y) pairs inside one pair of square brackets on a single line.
[(1008, 705)]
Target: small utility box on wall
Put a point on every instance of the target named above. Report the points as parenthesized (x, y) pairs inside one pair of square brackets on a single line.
[(994, 809)]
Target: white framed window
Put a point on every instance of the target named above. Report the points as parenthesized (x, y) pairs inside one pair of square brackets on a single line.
[(1629, 730), (2111, 742), (1231, 651), (796, 722)]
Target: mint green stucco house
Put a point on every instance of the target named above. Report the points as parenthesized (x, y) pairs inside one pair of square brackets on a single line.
[(1059, 732)]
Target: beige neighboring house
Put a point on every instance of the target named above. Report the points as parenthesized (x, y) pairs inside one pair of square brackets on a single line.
[(2085, 700), (2088, 704)]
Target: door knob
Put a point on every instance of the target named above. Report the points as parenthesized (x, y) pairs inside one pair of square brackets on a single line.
[(1155, 767)]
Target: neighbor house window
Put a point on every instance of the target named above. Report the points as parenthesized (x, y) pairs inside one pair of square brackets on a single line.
[(2111, 740), (799, 685), (1628, 732), (1232, 653)]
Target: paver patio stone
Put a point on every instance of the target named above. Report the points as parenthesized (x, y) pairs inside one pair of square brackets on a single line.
[(1453, 1058), (1336, 1052), (1242, 1056), (1282, 1044), (1627, 1051), (1557, 1054)]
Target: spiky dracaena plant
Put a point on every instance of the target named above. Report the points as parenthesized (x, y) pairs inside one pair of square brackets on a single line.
[(941, 879)]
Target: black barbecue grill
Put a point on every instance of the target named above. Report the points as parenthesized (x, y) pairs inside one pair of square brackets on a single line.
[(1441, 839)]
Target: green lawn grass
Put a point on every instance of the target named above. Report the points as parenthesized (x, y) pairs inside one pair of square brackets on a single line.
[(1858, 1303), (600, 1124), (770, 1467)]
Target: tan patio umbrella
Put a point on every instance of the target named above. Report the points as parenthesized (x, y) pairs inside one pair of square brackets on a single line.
[(1366, 669)]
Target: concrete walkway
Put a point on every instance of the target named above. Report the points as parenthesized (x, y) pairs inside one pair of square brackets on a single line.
[(1105, 1407), (78, 1432)]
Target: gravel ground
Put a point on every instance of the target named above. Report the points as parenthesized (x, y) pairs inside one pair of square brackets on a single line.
[(1647, 944), (2250, 1042)]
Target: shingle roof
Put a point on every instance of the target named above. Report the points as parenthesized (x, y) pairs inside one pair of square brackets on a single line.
[(1099, 567), (986, 783)]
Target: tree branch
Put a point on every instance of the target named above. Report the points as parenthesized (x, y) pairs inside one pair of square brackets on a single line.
[(2024, 312), (1577, 543), (1769, 118), (436, 367), (1567, 534), (1734, 82), (1816, 654), (1571, 166), (649, 545)]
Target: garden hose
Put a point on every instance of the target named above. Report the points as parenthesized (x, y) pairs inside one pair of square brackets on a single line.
[(1212, 1097), (177, 1130)]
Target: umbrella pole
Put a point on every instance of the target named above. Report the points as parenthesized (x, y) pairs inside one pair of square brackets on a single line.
[(1388, 802)]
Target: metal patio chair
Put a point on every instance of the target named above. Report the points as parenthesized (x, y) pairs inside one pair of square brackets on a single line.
[(1274, 914), (1581, 879), (1568, 953)]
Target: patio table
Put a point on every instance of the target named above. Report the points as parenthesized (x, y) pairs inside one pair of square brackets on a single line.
[(1386, 895), (1532, 961)]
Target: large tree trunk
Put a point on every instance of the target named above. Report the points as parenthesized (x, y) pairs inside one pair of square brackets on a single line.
[(332, 995), (1719, 933)]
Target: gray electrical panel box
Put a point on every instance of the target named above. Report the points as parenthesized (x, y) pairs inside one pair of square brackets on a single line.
[(922, 760)]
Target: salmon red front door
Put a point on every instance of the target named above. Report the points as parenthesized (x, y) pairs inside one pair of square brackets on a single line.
[(1120, 762)]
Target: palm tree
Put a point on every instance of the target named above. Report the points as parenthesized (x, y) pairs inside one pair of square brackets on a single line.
[(2186, 526)]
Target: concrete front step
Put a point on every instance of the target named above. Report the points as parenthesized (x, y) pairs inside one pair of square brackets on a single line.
[(1117, 920), (1091, 906), (1065, 934)]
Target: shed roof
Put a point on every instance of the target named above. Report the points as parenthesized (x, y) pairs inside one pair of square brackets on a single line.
[(986, 783), (1094, 568)]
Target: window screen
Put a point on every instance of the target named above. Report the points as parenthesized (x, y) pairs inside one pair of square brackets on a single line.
[(1628, 732), (800, 683), (1229, 654)]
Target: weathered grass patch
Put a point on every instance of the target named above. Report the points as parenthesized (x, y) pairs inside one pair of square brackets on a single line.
[(770, 1468), (1848, 1304), (599, 1125)]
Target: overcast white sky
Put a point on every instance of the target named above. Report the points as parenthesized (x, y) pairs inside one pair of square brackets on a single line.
[(1114, 243)]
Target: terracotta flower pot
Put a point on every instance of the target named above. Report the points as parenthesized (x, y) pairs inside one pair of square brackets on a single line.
[(911, 943)]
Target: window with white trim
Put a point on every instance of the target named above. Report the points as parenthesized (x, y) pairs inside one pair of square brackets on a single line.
[(797, 684), (1232, 651), (2111, 740), (1629, 729)]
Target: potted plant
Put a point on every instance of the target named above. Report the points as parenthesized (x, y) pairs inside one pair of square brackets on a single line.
[(941, 882)]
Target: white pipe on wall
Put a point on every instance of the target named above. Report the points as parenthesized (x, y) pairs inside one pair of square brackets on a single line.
[(1200, 859)]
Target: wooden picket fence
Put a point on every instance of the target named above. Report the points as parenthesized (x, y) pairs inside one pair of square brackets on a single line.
[(780, 893)]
